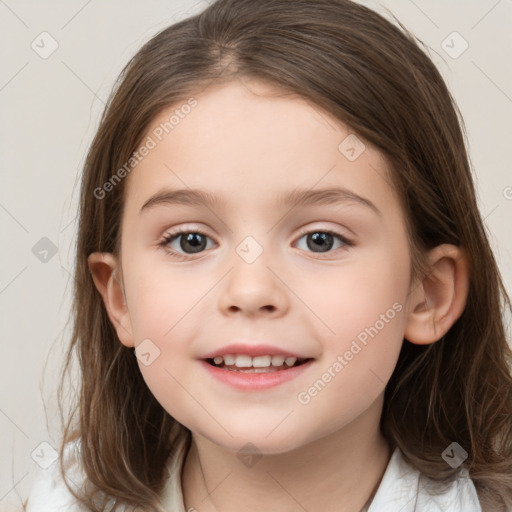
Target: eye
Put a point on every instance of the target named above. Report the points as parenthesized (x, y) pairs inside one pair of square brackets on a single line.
[(195, 241), (322, 241), (192, 243)]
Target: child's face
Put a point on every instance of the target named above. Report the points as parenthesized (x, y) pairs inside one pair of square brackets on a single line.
[(343, 305)]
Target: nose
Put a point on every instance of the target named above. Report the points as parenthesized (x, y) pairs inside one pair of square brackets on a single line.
[(254, 289)]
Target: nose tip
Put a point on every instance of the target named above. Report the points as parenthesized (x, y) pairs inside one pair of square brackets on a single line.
[(252, 288)]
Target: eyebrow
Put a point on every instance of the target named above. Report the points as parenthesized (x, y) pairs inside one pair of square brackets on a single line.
[(295, 198)]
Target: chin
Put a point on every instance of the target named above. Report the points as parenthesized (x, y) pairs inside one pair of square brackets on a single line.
[(256, 442)]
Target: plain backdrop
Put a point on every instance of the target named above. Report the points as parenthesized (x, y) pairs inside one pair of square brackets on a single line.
[(50, 107)]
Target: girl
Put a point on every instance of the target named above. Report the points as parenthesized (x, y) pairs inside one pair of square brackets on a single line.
[(333, 337)]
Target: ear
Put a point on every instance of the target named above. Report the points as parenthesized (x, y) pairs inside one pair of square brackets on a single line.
[(104, 269), (436, 303)]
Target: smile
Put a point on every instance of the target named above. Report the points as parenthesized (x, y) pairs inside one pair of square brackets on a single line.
[(244, 373), (257, 364)]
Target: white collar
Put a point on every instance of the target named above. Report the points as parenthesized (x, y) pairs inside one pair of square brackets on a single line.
[(402, 488)]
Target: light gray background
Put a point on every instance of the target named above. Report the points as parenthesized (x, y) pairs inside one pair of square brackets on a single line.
[(50, 110)]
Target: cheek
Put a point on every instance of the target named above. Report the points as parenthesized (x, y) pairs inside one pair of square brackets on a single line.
[(159, 301), (168, 383), (161, 311), (363, 322), (354, 370), (357, 297)]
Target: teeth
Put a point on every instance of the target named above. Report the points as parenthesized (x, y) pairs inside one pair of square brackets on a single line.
[(229, 360), (245, 361), (277, 360), (261, 361)]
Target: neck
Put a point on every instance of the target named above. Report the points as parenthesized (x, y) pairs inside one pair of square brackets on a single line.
[(338, 472)]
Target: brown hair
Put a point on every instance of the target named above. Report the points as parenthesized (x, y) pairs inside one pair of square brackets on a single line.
[(373, 76)]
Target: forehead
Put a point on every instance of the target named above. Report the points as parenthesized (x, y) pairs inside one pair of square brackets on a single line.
[(253, 143)]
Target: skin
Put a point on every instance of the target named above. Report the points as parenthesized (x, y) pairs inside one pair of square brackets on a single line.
[(248, 143)]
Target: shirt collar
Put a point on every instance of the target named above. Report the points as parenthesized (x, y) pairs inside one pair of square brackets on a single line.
[(402, 487)]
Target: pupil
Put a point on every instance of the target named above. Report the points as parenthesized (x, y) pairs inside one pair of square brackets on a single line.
[(323, 239), (197, 242), (192, 239)]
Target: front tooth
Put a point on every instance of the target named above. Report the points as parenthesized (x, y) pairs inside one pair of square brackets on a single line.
[(261, 361), (243, 361), (229, 359), (277, 360), (218, 360), (290, 361)]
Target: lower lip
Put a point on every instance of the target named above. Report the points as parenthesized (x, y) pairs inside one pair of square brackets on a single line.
[(255, 381)]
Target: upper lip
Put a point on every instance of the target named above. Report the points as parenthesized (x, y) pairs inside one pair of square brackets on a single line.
[(251, 350)]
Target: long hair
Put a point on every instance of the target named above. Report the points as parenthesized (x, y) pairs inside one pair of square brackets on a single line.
[(373, 76)]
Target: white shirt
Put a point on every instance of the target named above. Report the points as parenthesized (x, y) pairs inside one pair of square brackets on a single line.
[(402, 488)]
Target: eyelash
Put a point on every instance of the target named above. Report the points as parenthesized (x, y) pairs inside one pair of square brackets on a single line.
[(170, 237)]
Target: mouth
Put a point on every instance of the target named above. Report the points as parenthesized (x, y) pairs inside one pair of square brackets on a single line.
[(259, 373), (259, 364)]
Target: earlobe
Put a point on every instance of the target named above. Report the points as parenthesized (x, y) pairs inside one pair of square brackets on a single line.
[(436, 303), (105, 270)]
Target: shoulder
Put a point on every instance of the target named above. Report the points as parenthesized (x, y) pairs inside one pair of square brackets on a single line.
[(50, 493), (404, 488)]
